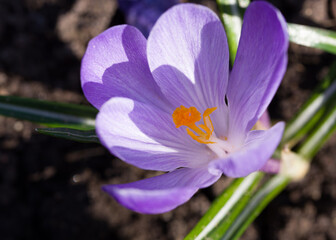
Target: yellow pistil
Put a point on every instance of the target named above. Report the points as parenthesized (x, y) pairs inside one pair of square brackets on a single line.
[(183, 116)]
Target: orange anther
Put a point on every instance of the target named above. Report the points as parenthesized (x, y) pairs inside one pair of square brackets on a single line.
[(183, 116)]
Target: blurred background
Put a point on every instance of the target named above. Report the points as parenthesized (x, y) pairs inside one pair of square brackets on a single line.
[(50, 188)]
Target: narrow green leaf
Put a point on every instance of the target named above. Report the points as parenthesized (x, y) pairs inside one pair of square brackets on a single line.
[(311, 112), (230, 218), (52, 114), (257, 203), (231, 14), (324, 130), (219, 216), (313, 37), (71, 134)]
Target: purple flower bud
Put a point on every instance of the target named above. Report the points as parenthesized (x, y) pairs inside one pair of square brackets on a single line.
[(143, 13)]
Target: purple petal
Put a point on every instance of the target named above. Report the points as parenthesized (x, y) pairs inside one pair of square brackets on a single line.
[(143, 17), (259, 66), (144, 13), (127, 5), (188, 56), (258, 148), (265, 120), (162, 193), (145, 136), (271, 166), (115, 64)]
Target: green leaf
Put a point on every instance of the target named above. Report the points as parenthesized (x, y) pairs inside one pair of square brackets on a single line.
[(255, 206), (231, 14), (51, 114), (224, 209), (86, 136), (311, 112), (322, 132), (313, 37)]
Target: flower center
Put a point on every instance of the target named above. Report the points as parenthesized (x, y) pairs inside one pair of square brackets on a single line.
[(203, 133), (183, 116)]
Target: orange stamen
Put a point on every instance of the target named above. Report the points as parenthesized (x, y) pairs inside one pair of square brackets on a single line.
[(183, 116)]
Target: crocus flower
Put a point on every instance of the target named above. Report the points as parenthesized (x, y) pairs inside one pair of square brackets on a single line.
[(144, 13), (170, 103)]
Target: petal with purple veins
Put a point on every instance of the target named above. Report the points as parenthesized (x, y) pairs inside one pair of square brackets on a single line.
[(188, 56), (259, 67)]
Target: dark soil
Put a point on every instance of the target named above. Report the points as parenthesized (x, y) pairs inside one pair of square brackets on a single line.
[(50, 188)]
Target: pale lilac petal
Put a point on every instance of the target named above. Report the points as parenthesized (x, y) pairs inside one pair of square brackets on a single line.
[(162, 193), (115, 64), (259, 66), (258, 148), (271, 166), (146, 137), (265, 120), (188, 56)]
